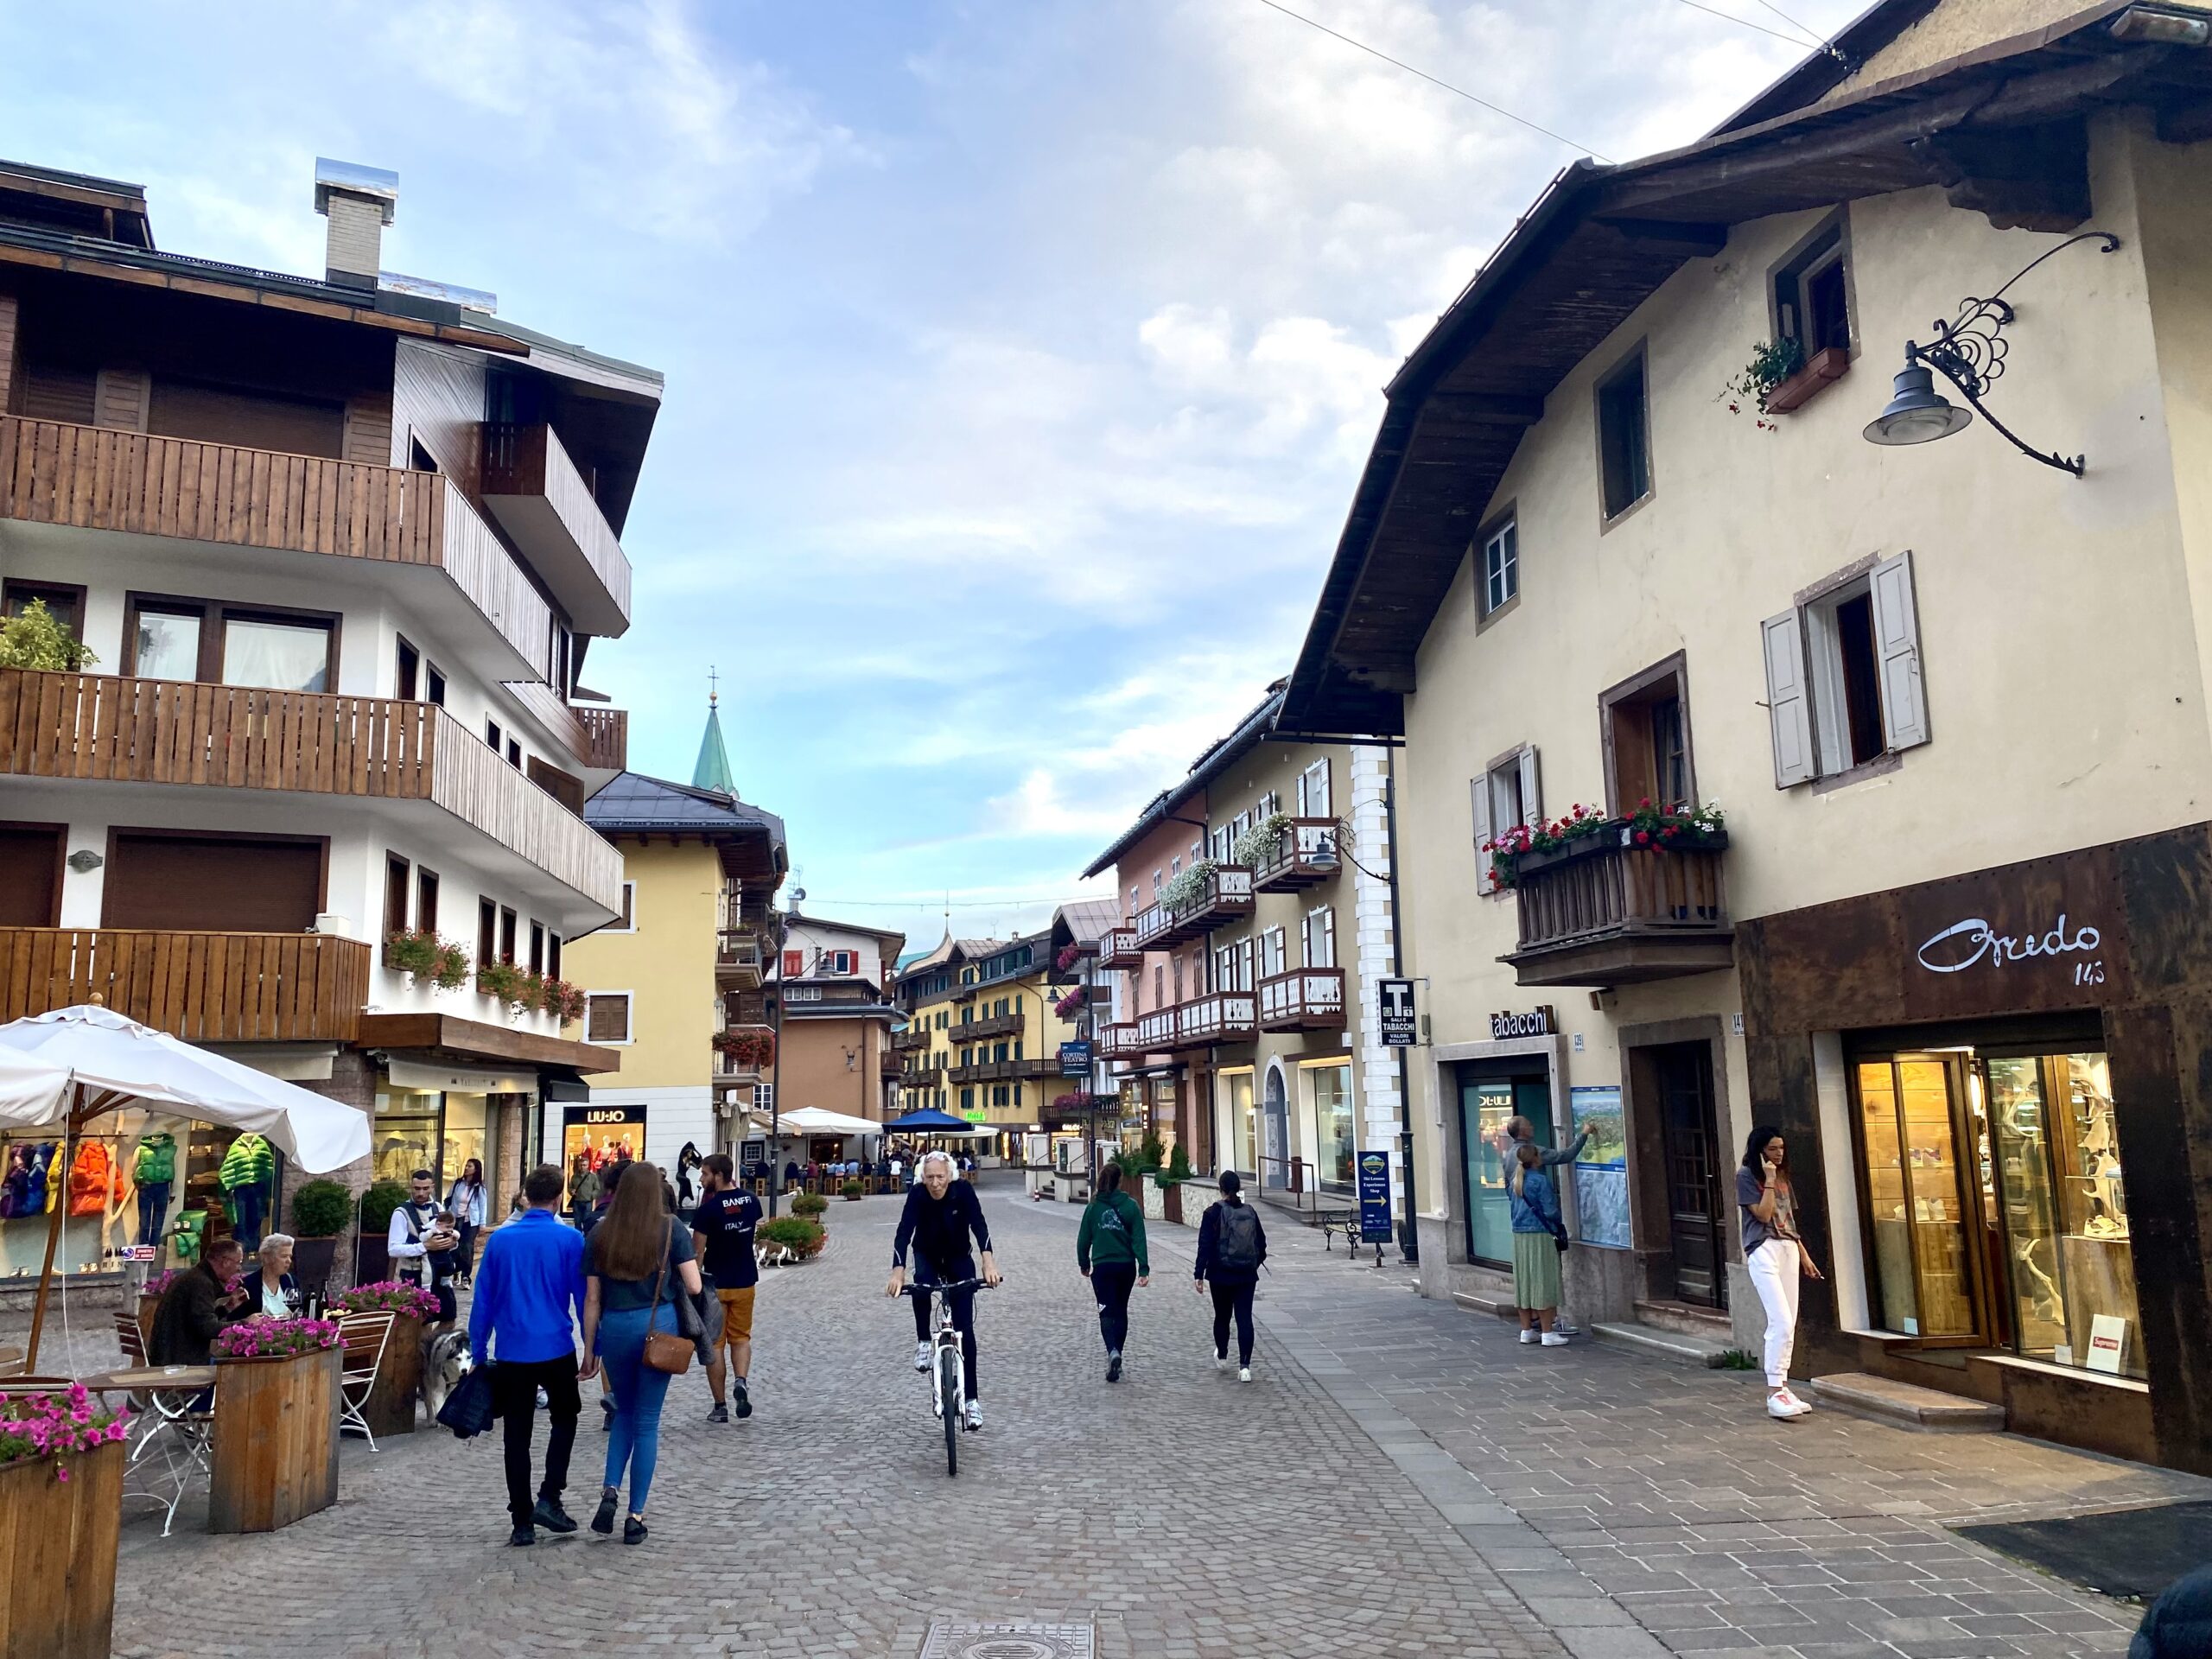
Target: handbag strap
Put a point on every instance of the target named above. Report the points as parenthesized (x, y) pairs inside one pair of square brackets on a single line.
[(652, 1311)]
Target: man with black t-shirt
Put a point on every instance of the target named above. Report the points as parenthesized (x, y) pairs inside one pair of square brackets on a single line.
[(721, 1229)]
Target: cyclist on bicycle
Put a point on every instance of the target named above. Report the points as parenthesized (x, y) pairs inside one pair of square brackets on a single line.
[(941, 1216)]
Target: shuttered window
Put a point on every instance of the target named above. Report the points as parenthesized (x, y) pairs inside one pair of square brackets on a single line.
[(1509, 792), (1843, 675), (606, 1017)]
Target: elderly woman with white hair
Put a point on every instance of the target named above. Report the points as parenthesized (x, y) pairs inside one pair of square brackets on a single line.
[(941, 1218), (269, 1287)]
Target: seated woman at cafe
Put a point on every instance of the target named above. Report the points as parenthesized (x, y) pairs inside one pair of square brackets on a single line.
[(269, 1287)]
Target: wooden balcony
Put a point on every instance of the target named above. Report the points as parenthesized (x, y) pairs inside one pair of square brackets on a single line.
[(976, 1031), (606, 732), (1305, 855), (1310, 998), (1118, 948), (1120, 1041), (101, 727), (1224, 896), (921, 1070), (1604, 912), (888, 1066), (737, 960), (204, 988), (1217, 1017), (911, 1040), (1002, 1071), (541, 500), (94, 478)]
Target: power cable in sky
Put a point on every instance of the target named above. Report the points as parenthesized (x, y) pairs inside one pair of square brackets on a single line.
[(1745, 22), (1495, 108)]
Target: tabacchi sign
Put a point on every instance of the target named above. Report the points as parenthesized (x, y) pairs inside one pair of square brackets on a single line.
[(1972, 941)]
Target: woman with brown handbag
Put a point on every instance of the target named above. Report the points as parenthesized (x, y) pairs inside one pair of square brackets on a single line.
[(640, 1264)]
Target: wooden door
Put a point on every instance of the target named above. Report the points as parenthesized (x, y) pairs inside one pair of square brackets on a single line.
[(1694, 1160), (30, 875)]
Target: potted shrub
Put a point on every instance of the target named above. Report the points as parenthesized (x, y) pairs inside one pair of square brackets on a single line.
[(370, 1259), (320, 1210), (38, 639), (390, 1408), (852, 1189), (274, 1371), (61, 1457), (808, 1205), (791, 1237)]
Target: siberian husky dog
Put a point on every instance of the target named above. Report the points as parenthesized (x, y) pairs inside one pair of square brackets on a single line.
[(445, 1360)]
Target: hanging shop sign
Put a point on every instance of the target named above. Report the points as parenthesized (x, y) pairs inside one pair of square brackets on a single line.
[(601, 1134), (1395, 1005), (1537, 1022), (1075, 1058)]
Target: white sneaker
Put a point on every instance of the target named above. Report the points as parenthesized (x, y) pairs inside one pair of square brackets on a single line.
[(974, 1413), (1554, 1339), (1785, 1405), (921, 1355), (1530, 1335), (1799, 1406), (1220, 1361), (1244, 1373)]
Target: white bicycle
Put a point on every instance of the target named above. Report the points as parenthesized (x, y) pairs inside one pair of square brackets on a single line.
[(947, 1366)]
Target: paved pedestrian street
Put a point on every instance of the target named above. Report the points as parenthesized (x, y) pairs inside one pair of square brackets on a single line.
[(1401, 1479)]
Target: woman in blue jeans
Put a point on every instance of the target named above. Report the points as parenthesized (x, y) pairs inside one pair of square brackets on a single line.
[(640, 1261)]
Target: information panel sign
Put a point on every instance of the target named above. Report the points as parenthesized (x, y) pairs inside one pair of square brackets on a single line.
[(1374, 1198)]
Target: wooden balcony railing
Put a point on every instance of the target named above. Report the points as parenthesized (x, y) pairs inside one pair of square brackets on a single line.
[(1002, 1071), (737, 959), (204, 988), (1117, 947), (922, 1071), (889, 1067), (1304, 855), (998, 1024), (540, 499), (1602, 911), (1216, 1017), (1120, 1041), (911, 1040), (1310, 999), (607, 733), (1225, 894), (107, 728), (95, 478)]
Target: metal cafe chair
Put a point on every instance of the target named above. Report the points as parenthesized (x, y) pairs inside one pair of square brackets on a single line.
[(172, 1440), (365, 1336)]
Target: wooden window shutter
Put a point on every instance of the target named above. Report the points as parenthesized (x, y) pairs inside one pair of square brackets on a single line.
[(120, 398), (1897, 640), (1532, 788), (1789, 710), (607, 1019), (1484, 882), (794, 964)]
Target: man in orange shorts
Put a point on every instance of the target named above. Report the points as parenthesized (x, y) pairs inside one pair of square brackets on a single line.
[(721, 1231)]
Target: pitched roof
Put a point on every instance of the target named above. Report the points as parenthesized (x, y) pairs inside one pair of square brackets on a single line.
[(1601, 240), (1087, 920)]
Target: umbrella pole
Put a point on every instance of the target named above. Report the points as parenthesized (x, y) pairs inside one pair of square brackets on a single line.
[(58, 1207)]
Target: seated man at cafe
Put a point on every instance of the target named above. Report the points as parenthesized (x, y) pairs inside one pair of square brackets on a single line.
[(198, 1304)]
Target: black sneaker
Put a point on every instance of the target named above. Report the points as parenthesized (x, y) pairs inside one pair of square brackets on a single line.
[(633, 1530), (522, 1537), (550, 1515), (603, 1522), (605, 1416), (720, 1413), (744, 1399), (1113, 1368)]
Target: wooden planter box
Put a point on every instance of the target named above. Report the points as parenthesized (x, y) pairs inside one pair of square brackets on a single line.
[(275, 1451), (391, 1404), (1830, 363), (57, 1555)]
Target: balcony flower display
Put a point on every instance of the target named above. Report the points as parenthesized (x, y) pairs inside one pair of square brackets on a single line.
[(1067, 1006), (1187, 891), (750, 1051), (501, 981), (564, 1001), (1080, 1100), (387, 1296), (1069, 955), (1648, 826), (423, 954), (1257, 845), (276, 1339), (50, 1426)]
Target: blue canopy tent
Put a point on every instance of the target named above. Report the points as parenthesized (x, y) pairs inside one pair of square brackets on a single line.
[(929, 1120)]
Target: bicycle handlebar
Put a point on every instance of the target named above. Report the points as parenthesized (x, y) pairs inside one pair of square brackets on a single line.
[(957, 1284)]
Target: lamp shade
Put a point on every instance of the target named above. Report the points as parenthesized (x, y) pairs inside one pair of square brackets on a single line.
[(1917, 413)]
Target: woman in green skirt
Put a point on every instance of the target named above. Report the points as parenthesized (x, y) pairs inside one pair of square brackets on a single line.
[(1537, 1230)]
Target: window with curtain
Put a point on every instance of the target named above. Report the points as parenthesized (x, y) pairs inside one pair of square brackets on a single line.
[(282, 655)]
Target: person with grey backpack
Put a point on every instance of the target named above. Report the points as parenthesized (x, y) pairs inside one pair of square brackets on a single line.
[(1233, 1247)]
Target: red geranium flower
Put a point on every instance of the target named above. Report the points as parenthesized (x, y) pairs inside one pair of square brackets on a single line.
[(1643, 838)]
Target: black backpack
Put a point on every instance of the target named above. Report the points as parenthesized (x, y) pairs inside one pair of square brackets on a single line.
[(1238, 1245)]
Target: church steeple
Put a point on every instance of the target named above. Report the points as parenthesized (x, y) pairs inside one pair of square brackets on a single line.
[(712, 770)]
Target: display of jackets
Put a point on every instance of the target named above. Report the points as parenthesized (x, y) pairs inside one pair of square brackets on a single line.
[(35, 1196), (15, 1187), (248, 1163), (92, 1178), (156, 1160)]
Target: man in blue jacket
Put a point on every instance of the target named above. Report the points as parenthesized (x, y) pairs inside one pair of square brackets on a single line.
[(528, 1304)]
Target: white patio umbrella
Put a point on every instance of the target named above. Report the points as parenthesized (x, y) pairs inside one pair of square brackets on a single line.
[(816, 1120), (106, 1061)]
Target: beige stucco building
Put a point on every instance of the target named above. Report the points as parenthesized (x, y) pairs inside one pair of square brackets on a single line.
[(1952, 704)]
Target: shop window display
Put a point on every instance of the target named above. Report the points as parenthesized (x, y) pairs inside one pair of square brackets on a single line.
[(405, 1135), (87, 1182)]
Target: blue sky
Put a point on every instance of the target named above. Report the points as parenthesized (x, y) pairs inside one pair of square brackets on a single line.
[(1021, 354)]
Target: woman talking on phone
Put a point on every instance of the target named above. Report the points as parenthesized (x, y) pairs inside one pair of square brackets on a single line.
[(1776, 1256)]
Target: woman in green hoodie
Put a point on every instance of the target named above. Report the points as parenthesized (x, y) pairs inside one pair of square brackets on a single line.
[(1109, 1248)]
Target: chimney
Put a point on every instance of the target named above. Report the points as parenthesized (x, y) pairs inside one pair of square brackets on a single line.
[(358, 201)]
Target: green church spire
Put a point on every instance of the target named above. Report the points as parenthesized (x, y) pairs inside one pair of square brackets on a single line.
[(712, 770)]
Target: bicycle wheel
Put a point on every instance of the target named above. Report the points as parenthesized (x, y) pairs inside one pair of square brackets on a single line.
[(948, 1382)]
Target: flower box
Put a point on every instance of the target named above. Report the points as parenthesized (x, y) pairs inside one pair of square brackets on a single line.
[(59, 1523), (1830, 363), (275, 1457)]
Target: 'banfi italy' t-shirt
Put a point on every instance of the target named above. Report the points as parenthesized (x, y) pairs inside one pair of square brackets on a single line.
[(726, 1220)]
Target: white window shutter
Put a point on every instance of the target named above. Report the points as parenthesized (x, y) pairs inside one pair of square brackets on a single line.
[(1896, 641), (1788, 708), (1532, 788), (1480, 790)]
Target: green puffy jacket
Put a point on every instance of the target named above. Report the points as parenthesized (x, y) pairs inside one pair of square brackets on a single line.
[(156, 1161), (248, 1163), (1112, 1230)]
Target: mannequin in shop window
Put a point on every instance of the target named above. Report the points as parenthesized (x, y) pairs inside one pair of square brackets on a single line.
[(154, 1169), (248, 1168)]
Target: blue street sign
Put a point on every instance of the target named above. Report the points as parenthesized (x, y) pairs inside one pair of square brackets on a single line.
[(1075, 1058), (1374, 1198)]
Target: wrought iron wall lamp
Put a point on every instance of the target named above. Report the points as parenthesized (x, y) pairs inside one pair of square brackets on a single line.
[(1969, 352)]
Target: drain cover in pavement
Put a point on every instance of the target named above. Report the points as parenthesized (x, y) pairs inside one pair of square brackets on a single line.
[(2118, 1553), (952, 1641)]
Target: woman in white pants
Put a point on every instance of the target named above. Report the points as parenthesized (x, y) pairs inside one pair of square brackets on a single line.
[(1776, 1256)]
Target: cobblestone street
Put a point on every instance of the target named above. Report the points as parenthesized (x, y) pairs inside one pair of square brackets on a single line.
[(1356, 1494)]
